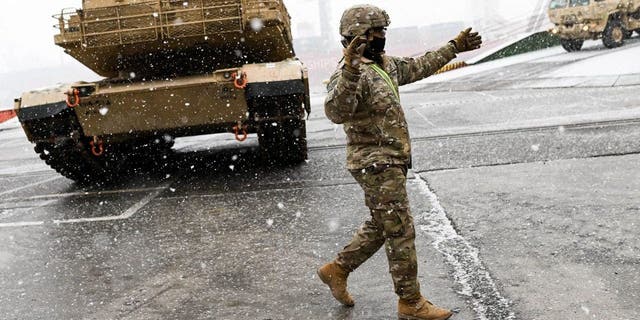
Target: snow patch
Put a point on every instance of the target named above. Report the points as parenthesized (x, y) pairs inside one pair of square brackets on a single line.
[(468, 271), (608, 64)]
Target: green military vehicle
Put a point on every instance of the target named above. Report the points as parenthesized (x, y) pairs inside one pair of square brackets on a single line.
[(579, 20), (172, 68)]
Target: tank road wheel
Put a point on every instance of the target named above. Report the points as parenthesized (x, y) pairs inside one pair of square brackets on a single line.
[(571, 45), (613, 35)]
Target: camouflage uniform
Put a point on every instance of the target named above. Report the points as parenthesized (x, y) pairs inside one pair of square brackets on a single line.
[(378, 156)]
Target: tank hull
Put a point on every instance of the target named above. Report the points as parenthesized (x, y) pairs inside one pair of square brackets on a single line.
[(192, 105)]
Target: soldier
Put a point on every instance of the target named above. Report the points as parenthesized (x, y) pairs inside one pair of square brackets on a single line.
[(363, 96)]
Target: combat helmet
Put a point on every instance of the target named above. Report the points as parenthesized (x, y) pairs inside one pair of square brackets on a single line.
[(358, 19)]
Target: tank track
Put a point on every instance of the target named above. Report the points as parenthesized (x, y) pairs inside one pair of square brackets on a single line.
[(73, 158)]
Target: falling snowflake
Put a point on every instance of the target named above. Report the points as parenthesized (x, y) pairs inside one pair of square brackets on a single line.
[(535, 147), (256, 24), (585, 309), (333, 225), (270, 222), (280, 205)]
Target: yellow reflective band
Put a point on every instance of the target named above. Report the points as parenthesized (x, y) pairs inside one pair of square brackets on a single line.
[(386, 78)]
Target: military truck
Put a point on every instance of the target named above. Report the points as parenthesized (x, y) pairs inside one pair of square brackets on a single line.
[(579, 20), (172, 69)]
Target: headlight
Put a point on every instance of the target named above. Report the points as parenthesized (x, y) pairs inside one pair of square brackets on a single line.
[(585, 28)]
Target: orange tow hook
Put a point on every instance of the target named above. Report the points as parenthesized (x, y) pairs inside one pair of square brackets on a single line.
[(76, 98), (97, 147), (239, 79), (236, 130)]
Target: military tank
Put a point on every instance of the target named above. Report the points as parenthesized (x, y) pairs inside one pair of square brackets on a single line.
[(171, 69)]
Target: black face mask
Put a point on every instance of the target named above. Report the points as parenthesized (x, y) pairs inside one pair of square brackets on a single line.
[(375, 49)]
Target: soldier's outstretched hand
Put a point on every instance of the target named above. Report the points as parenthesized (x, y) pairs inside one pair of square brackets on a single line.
[(353, 54), (467, 41)]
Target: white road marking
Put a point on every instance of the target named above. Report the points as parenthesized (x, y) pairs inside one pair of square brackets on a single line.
[(468, 270), (79, 194), (125, 215), (424, 118), (21, 224), (29, 185)]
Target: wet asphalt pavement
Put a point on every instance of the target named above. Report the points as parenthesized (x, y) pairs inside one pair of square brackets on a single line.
[(525, 202)]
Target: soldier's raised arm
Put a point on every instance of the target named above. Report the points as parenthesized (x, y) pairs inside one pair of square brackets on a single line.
[(414, 69), (344, 89)]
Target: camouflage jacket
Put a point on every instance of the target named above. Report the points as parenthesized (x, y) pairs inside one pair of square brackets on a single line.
[(370, 109)]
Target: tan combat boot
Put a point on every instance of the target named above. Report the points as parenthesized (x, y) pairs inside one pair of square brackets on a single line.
[(421, 310), (336, 278)]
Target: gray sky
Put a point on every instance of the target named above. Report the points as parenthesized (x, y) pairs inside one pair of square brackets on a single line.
[(26, 31)]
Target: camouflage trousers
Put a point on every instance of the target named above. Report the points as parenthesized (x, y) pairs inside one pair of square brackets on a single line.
[(391, 225)]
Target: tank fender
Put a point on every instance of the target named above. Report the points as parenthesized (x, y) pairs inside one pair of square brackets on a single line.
[(40, 112), (276, 88)]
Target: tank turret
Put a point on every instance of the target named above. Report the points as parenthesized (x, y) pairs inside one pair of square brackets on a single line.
[(161, 38)]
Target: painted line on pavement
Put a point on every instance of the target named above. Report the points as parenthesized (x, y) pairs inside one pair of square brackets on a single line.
[(424, 118), (29, 185), (22, 224), (130, 212), (468, 270), (79, 194)]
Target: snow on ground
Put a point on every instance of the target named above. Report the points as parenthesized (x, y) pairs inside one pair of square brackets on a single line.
[(10, 124), (492, 65), (593, 61), (621, 61)]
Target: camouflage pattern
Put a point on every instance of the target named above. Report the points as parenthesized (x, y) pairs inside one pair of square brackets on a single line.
[(373, 118), (358, 19), (379, 155), (391, 224)]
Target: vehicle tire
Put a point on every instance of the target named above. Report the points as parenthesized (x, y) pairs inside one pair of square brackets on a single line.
[(283, 142), (613, 35), (571, 45)]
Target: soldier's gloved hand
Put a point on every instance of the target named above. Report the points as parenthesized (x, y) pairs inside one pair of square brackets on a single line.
[(467, 41), (353, 54)]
